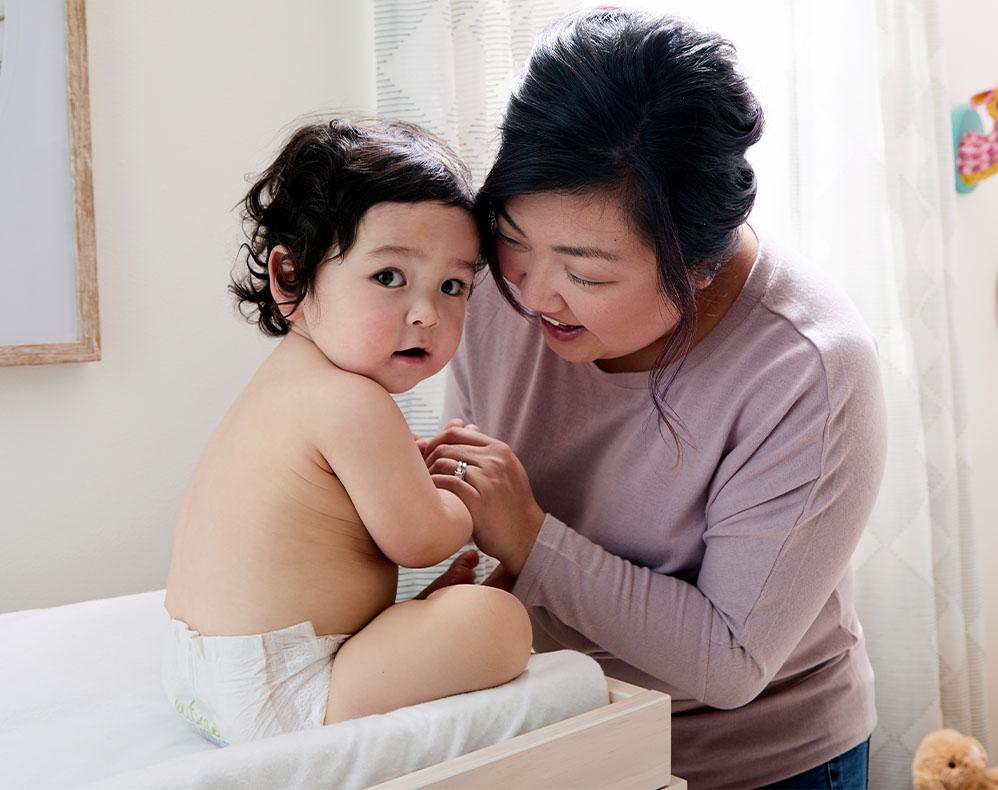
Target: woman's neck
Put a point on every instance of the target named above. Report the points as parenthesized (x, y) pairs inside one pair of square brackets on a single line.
[(714, 301)]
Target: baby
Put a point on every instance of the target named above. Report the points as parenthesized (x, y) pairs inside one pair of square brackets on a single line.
[(361, 254)]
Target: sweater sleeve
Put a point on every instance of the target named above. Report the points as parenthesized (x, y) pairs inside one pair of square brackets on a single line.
[(785, 510)]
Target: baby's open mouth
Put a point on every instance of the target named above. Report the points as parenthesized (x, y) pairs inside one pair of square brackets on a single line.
[(415, 352)]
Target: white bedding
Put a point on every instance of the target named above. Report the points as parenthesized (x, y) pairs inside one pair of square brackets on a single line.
[(80, 703)]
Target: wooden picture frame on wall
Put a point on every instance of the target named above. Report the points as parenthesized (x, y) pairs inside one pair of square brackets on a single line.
[(48, 266)]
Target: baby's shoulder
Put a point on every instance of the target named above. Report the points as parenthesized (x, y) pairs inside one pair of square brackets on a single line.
[(333, 395), (320, 403)]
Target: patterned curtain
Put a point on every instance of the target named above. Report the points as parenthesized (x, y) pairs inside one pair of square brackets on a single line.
[(448, 65), (855, 172)]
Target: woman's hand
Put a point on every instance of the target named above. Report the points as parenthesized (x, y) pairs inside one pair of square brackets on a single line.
[(495, 490)]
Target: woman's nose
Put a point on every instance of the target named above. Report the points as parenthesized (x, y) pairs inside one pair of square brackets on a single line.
[(536, 293)]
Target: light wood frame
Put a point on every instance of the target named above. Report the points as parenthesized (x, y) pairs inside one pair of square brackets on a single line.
[(87, 347), (626, 744)]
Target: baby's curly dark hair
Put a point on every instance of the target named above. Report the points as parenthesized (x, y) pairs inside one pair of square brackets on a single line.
[(316, 192)]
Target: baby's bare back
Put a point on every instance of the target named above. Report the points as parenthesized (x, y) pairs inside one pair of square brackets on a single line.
[(267, 536)]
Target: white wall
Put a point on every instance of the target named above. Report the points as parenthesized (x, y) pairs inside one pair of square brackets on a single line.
[(971, 67), (187, 97)]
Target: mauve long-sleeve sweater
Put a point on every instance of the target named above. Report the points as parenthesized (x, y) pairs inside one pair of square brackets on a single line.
[(722, 578)]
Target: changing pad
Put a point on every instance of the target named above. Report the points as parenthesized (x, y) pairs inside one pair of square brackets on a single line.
[(82, 704)]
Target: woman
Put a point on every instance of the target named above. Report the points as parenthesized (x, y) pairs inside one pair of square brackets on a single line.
[(674, 455)]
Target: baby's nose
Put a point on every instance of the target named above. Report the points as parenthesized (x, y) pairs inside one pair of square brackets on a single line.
[(423, 314)]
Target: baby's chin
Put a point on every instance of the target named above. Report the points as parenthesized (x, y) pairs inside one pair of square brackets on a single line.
[(401, 376)]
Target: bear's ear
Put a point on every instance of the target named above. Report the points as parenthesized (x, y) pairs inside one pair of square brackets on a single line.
[(977, 751)]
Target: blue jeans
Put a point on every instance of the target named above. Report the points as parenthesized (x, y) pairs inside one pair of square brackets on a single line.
[(848, 771)]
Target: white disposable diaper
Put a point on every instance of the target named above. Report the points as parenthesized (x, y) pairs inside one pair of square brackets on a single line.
[(234, 689)]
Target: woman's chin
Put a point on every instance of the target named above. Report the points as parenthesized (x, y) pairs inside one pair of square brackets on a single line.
[(570, 352)]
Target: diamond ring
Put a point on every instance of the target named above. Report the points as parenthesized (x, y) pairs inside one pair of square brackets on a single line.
[(461, 470)]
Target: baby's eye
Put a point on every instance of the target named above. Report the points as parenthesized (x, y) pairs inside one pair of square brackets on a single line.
[(454, 287), (390, 278)]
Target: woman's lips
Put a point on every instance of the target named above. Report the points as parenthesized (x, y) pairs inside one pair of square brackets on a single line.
[(560, 331)]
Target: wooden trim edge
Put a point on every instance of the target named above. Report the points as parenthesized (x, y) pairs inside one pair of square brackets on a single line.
[(83, 187), (48, 353)]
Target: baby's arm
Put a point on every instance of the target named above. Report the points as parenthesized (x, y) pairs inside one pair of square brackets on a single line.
[(366, 442)]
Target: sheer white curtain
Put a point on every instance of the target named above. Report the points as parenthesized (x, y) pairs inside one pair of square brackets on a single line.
[(854, 171)]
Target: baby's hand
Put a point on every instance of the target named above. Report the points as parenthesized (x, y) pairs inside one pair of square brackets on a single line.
[(461, 571), (457, 423)]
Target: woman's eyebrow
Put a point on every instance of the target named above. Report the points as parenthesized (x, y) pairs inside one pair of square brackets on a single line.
[(586, 252), (502, 213)]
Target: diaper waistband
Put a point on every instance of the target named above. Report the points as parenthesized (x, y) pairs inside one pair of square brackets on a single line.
[(217, 646)]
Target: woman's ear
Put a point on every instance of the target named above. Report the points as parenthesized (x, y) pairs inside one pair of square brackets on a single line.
[(281, 270), (702, 283)]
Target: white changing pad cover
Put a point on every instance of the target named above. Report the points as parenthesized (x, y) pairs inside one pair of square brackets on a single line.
[(82, 704)]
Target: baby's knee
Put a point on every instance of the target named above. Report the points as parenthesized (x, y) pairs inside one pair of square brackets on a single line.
[(501, 628), (509, 616)]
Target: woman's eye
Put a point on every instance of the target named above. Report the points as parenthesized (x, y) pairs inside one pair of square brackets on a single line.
[(502, 238), (390, 278), (454, 287), (580, 281)]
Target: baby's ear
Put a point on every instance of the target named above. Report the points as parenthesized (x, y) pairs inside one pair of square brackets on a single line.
[(281, 271)]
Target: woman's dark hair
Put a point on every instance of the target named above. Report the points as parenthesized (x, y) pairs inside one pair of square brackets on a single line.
[(653, 112), (315, 193)]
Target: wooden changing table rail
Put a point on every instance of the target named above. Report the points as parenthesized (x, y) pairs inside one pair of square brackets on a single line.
[(626, 744)]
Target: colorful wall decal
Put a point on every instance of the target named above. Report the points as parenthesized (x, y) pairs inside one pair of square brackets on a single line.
[(975, 151)]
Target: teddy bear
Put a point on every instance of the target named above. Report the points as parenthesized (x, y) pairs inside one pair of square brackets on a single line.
[(949, 760)]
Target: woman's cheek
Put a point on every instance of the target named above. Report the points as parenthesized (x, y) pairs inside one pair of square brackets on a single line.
[(507, 264)]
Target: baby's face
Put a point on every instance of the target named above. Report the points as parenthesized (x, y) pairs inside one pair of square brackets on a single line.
[(392, 309)]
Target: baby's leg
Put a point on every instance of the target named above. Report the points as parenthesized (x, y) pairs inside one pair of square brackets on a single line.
[(461, 638)]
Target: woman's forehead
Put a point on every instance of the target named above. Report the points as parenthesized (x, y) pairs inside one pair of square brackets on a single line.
[(573, 218)]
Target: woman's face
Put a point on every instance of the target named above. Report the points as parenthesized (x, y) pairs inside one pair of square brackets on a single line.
[(577, 262)]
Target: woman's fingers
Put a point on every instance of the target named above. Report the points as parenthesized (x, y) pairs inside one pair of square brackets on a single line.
[(460, 435), (456, 435), (452, 453), (447, 466), (460, 488)]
